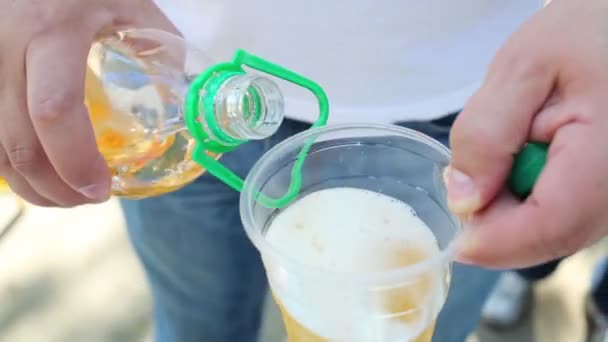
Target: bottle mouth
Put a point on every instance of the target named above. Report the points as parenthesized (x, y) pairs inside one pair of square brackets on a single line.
[(249, 107)]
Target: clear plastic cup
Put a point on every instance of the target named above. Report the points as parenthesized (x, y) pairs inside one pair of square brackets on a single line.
[(399, 304)]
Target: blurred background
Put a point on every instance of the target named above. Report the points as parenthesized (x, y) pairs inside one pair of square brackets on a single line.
[(70, 275)]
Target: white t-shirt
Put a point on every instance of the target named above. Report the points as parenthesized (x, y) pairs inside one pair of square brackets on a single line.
[(379, 61)]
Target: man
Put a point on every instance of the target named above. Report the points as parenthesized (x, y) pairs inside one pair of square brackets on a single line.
[(410, 62)]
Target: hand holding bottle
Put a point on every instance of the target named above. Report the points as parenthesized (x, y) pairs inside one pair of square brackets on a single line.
[(48, 153)]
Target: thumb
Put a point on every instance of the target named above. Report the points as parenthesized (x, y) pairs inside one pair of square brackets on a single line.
[(493, 127), (562, 214)]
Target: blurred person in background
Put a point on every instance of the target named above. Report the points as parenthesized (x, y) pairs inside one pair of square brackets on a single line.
[(512, 298)]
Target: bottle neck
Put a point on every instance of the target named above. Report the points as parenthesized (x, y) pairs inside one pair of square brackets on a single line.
[(247, 107)]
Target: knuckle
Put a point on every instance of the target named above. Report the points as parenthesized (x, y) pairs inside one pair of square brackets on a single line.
[(39, 15), (52, 105), (514, 65), (25, 159), (46, 13)]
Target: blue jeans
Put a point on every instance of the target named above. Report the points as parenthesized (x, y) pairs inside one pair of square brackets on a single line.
[(207, 279)]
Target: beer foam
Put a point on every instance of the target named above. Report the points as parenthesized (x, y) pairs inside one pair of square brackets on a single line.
[(351, 230)]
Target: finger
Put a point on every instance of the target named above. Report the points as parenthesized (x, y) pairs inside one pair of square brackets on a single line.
[(56, 106), (561, 113), (148, 14), (558, 218), (493, 127), (18, 184), (25, 153), (22, 188)]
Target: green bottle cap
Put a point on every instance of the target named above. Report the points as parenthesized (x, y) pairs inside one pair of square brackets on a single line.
[(527, 166)]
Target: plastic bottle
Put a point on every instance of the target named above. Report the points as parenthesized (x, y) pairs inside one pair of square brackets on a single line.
[(153, 100)]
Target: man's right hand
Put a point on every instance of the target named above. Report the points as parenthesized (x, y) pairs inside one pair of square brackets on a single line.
[(48, 153)]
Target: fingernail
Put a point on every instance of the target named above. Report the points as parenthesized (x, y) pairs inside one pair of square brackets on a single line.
[(463, 197), (100, 190), (96, 192)]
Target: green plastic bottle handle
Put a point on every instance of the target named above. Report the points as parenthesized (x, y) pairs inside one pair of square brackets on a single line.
[(527, 167), (206, 84)]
